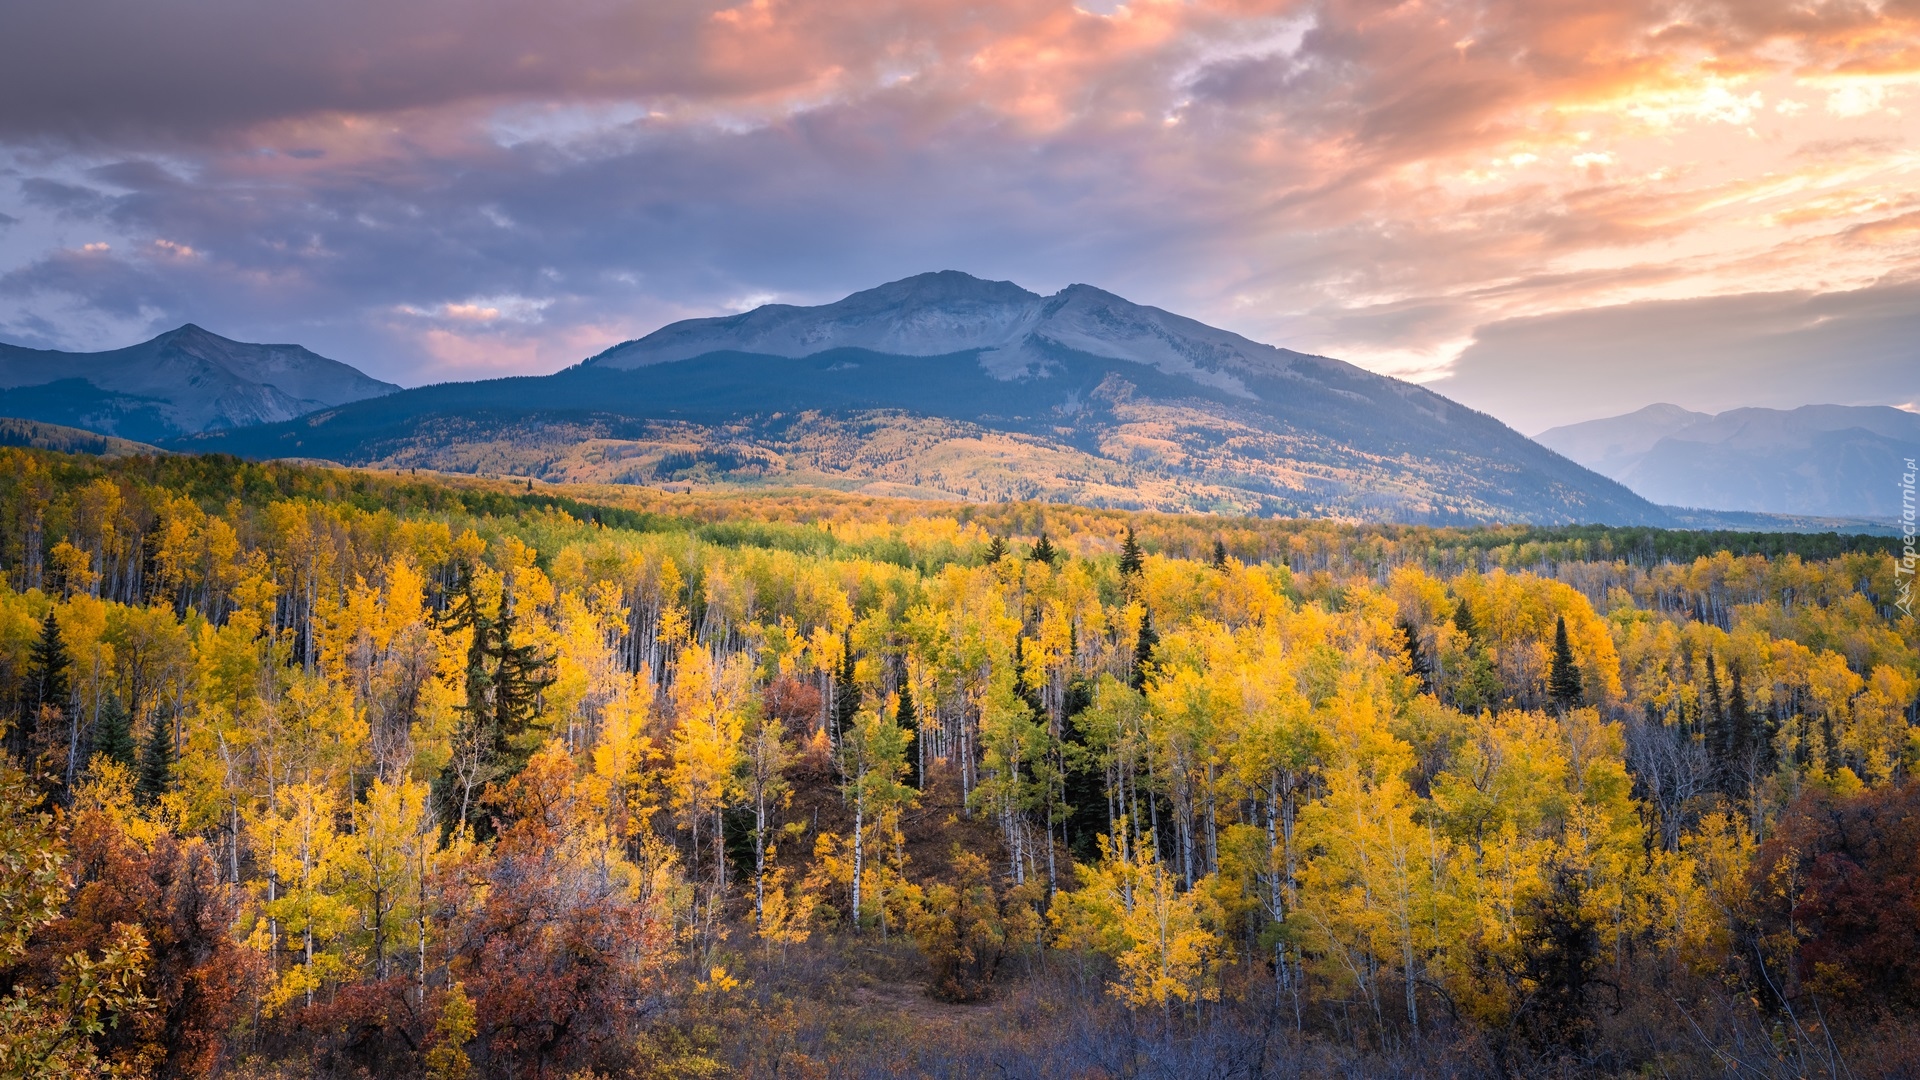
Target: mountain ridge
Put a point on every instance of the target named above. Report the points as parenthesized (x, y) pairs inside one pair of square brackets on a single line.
[(1818, 460), (954, 386), (181, 382)]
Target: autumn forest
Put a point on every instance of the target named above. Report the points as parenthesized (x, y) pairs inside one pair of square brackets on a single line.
[(311, 772)]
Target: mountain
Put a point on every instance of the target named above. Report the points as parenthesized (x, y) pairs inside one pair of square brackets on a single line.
[(183, 382), (1826, 460), (944, 385)]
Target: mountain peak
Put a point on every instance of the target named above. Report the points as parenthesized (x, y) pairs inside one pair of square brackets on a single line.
[(188, 332), (1011, 331), (188, 379), (938, 286)]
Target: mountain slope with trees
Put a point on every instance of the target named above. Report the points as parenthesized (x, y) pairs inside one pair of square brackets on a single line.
[(943, 385)]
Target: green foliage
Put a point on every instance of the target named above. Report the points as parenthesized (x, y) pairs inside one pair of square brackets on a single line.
[(155, 778), (1043, 550), (113, 733), (1130, 556), (1563, 675)]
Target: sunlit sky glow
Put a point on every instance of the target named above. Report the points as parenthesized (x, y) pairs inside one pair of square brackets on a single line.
[(1550, 209)]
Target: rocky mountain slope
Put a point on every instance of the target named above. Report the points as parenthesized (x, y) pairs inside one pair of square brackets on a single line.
[(183, 382), (944, 385), (1824, 460)]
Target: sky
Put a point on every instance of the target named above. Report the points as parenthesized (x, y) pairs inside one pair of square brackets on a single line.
[(1552, 210)]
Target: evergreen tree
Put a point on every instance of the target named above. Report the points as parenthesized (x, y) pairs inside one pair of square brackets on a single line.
[(996, 550), (846, 691), (1719, 742), (1463, 621), (1560, 962), (156, 763), (1563, 676), (113, 737), (47, 683), (519, 677), (1130, 557), (1416, 660), (1219, 554), (1749, 749), (910, 723), (1043, 549), (1143, 647), (504, 684)]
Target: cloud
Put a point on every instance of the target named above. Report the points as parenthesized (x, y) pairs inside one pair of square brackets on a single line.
[(437, 188), (1779, 350)]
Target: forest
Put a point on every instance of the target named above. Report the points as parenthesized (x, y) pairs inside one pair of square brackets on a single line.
[(316, 772)]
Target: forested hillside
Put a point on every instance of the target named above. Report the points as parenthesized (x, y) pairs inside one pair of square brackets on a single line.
[(324, 773)]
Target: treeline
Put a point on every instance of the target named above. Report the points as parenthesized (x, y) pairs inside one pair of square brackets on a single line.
[(327, 771)]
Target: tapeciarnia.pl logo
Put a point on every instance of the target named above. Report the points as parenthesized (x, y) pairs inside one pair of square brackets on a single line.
[(1904, 568)]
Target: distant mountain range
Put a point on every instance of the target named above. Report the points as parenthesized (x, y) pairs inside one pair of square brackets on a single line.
[(1825, 460), (945, 385), (183, 382)]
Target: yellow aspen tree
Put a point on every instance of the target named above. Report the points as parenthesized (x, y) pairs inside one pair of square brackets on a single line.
[(379, 864), (709, 708)]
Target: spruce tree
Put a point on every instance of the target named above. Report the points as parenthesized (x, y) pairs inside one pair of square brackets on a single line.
[(504, 684), (996, 550), (47, 683), (1043, 549), (1219, 554), (1130, 557), (1416, 660), (910, 723), (1463, 622), (519, 677), (1714, 710), (1143, 647), (1563, 676), (846, 690), (156, 763), (1743, 748), (113, 736)]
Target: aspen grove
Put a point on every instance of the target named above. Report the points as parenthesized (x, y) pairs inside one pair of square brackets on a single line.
[(347, 773)]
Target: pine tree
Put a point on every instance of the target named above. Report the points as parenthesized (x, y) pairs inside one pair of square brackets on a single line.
[(909, 722), (519, 677), (504, 684), (846, 691), (1563, 676), (47, 682), (1747, 748), (1714, 708), (1463, 622), (113, 737), (1416, 660), (1143, 647), (156, 763), (1043, 549), (1219, 554), (1130, 558), (996, 550)]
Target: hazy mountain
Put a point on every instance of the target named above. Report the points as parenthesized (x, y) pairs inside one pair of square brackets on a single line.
[(944, 385), (1829, 460), (184, 381), (1612, 446)]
